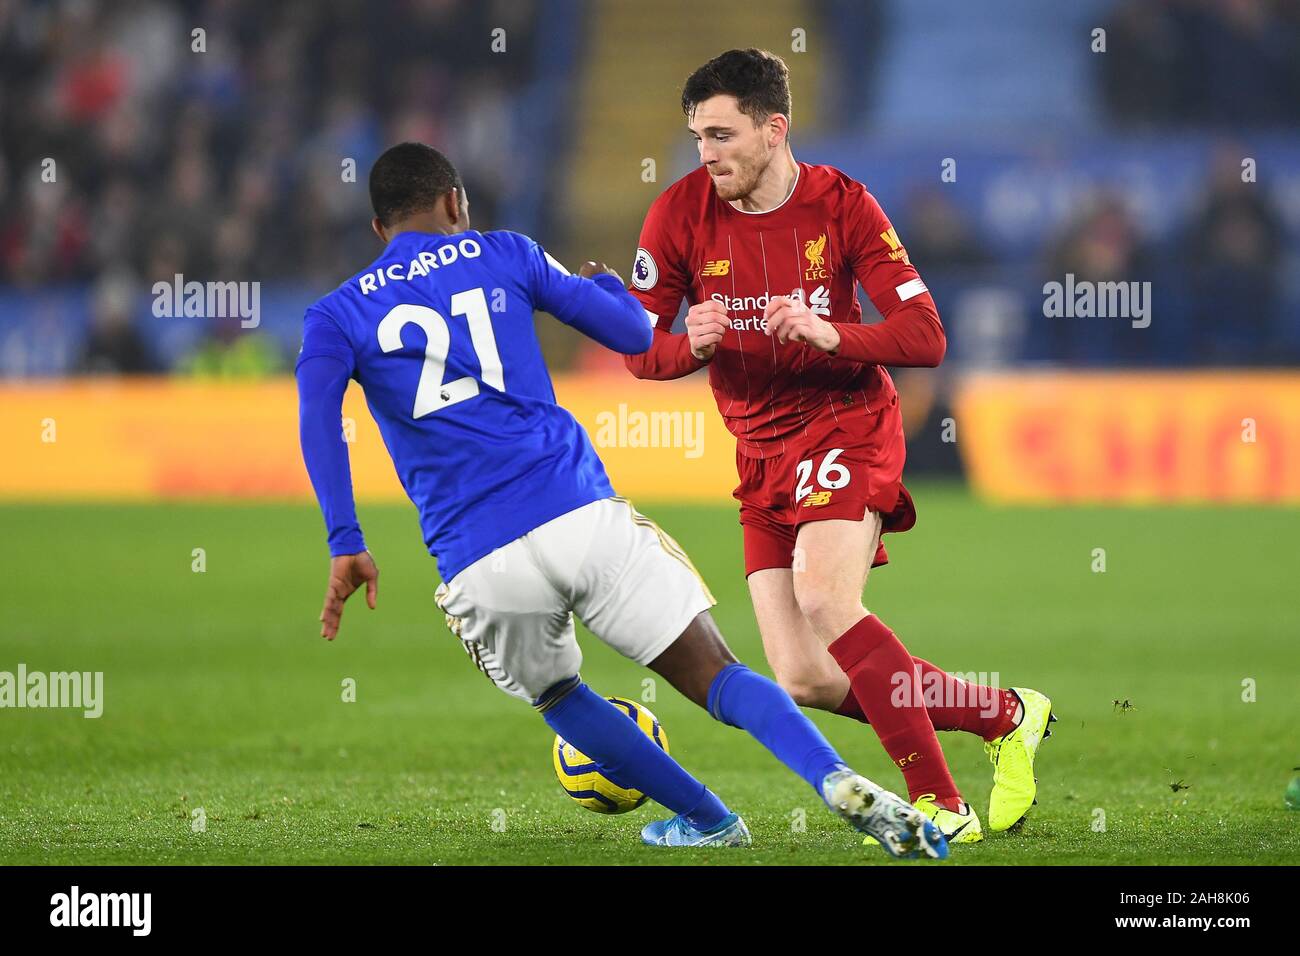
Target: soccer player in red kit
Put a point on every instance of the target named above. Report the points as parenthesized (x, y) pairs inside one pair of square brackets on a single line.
[(768, 253)]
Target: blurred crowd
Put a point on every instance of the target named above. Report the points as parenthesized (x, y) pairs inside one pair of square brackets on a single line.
[(1218, 276), (230, 139), (1229, 62), (224, 152)]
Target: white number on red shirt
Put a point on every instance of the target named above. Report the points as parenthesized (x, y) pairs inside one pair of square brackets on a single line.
[(830, 475)]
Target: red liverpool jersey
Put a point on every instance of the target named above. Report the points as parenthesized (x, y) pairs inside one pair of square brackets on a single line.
[(828, 235)]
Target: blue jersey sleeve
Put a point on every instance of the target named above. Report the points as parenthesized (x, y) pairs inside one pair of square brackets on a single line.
[(600, 308), (324, 367), (321, 335)]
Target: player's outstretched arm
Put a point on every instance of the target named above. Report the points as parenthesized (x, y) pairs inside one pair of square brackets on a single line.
[(605, 311), (322, 382), (595, 302)]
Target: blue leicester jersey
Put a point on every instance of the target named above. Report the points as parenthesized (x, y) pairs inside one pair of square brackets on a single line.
[(439, 333)]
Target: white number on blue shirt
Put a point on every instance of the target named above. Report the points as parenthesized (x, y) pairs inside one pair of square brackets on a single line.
[(433, 394)]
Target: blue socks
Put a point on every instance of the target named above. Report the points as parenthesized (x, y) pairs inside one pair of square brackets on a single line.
[(750, 701), (738, 697), (627, 756)]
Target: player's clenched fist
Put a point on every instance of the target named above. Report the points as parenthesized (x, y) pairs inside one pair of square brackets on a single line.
[(706, 323), (591, 268), (790, 320)]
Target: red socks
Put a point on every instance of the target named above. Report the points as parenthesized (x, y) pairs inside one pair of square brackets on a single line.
[(954, 704), (871, 655), (987, 712), (851, 708)]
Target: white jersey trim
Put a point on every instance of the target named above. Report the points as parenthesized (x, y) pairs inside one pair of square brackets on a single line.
[(909, 289), (798, 170)]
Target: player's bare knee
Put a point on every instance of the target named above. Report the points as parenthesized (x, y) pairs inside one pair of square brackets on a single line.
[(829, 610)]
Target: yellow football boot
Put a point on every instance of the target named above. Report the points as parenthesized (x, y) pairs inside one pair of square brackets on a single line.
[(1012, 756), (956, 827)]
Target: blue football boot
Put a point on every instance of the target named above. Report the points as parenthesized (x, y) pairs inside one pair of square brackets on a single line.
[(677, 832)]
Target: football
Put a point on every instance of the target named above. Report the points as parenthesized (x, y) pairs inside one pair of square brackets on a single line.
[(581, 777)]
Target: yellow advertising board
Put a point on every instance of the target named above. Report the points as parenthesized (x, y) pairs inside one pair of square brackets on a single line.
[(1133, 438), (171, 438), (1024, 437)]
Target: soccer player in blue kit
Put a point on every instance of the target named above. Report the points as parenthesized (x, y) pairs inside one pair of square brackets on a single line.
[(515, 505)]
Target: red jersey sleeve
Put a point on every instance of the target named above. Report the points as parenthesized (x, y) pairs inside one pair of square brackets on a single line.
[(661, 273), (911, 335)]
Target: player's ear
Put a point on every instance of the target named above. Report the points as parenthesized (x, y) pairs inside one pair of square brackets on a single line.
[(778, 129), (378, 227), (456, 205)]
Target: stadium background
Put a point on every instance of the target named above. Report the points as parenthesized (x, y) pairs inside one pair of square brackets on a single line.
[(131, 442)]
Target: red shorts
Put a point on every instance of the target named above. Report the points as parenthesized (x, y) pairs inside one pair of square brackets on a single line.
[(837, 473)]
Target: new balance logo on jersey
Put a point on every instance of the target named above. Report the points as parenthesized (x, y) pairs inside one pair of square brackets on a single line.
[(716, 267), (817, 499)]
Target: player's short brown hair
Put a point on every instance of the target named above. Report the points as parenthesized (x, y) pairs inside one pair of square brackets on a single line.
[(759, 80)]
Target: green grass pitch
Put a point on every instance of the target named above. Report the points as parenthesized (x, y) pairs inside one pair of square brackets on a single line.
[(219, 696)]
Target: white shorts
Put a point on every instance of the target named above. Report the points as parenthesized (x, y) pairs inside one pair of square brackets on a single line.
[(629, 582)]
